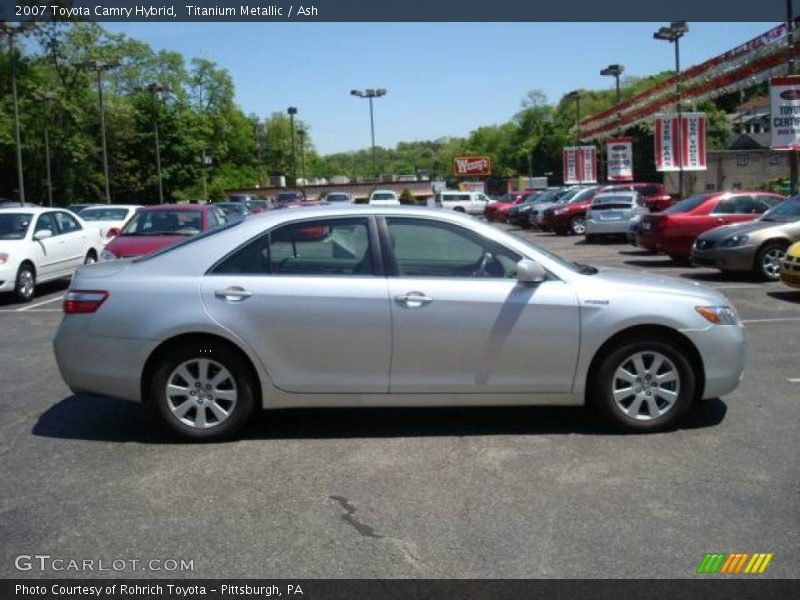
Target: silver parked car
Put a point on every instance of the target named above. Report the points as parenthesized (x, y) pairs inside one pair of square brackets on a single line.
[(611, 213), (388, 306), (755, 246)]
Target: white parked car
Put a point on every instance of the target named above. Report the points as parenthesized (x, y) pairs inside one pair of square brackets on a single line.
[(473, 203), (384, 198), (42, 244), (109, 218)]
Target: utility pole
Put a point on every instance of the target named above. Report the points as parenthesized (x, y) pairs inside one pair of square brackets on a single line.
[(155, 89), (292, 112), (302, 133), (46, 98), (11, 32), (370, 94), (100, 67), (790, 68)]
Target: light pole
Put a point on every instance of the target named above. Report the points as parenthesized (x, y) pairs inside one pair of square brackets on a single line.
[(302, 133), (205, 161), (46, 98), (155, 89), (11, 32), (371, 93), (292, 112), (100, 67), (576, 95), (615, 71), (673, 34)]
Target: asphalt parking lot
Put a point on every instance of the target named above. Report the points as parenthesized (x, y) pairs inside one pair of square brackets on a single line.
[(504, 492)]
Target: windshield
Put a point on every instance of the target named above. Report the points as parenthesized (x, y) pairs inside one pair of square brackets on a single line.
[(165, 222), (289, 197), (14, 226), (337, 198), (548, 196), (383, 196), (103, 214), (232, 208), (568, 196), (687, 204), (583, 195), (786, 211), (611, 200)]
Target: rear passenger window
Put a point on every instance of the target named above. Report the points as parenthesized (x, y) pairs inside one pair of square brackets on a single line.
[(67, 223), (324, 247)]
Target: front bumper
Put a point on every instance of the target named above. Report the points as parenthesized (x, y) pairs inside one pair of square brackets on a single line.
[(725, 259), (722, 350), (107, 366)]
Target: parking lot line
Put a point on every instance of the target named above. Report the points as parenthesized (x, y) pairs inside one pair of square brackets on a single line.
[(32, 306), (793, 379), (775, 320)]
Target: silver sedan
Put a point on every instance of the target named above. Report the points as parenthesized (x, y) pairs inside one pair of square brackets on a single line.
[(388, 306)]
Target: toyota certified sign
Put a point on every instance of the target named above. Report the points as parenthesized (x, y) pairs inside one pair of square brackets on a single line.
[(472, 165), (785, 112)]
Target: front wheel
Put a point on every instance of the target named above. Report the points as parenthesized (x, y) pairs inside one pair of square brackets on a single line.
[(203, 392), (768, 261), (644, 385), (577, 226), (25, 286)]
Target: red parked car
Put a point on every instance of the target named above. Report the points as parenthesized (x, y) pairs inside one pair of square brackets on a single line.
[(154, 227), (654, 196), (497, 211), (674, 230)]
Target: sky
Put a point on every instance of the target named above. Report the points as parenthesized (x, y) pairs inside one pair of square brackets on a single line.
[(443, 79)]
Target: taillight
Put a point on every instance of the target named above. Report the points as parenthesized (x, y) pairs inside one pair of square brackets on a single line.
[(83, 301)]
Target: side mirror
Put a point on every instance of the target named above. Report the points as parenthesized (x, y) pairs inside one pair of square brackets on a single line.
[(113, 232), (529, 271), (42, 234)]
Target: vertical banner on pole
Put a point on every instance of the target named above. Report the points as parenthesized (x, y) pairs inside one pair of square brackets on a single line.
[(580, 165), (619, 152), (690, 152)]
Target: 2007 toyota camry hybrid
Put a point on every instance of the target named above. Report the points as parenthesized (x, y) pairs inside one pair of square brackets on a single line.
[(388, 306)]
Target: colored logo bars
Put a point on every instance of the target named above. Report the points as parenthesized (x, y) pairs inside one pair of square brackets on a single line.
[(734, 563)]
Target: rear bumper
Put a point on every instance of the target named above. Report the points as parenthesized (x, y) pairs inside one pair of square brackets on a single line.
[(722, 349), (594, 227), (106, 366), (724, 259)]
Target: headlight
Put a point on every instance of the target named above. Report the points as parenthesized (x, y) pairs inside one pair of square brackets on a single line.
[(718, 315), (3, 258), (559, 211), (106, 255), (736, 240)]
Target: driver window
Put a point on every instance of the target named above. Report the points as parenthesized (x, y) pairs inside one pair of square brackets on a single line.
[(46, 221), (424, 248)]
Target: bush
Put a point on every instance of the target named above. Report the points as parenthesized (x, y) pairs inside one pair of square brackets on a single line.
[(406, 197)]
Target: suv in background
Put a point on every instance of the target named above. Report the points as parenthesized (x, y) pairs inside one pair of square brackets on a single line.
[(473, 203)]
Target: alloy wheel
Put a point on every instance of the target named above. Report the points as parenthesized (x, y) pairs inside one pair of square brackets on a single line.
[(90, 259), (771, 263), (646, 385), (201, 393), (578, 226), (27, 284)]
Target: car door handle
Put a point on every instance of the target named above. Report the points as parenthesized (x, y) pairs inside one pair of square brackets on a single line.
[(233, 294), (413, 299)]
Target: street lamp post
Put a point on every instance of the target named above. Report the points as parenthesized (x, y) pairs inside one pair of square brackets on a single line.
[(673, 34), (576, 95), (155, 89), (790, 68), (615, 71), (11, 32), (100, 67), (46, 98), (292, 112), (370, 94), (302, 133)]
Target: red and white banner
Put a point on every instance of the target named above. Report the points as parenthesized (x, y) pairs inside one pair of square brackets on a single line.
[(580, 165), (680, 140), (619, 152), (784, 94)]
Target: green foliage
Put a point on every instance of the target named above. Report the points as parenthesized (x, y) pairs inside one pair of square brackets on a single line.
[(406, 197)]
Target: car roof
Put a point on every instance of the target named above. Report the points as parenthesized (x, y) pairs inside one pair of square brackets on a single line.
[(157, 207), (32, 209), (92, 206)]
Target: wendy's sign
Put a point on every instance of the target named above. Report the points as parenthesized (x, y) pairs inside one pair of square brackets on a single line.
[(472, 166)]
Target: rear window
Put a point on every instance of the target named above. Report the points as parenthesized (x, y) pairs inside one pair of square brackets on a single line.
[(687, 204), (612, 202), (161, 222), (103, 214), (14, 226), (383, 196)]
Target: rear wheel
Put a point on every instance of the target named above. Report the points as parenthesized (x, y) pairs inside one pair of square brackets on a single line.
[(25, 286), (203, 391), (458, 209), (577, 226), (91, 258), (768, 261), (644, 384)]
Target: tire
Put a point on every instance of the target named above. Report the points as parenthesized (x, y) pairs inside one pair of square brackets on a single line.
[(234, 394), (768, 261), (90, 259), (25, 286), (458, 209), (578, 225), (657, 405)]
